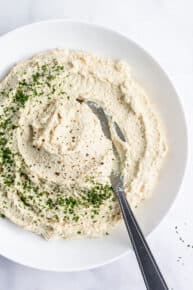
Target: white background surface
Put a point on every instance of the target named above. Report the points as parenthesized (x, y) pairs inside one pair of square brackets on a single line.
[(165, 29)]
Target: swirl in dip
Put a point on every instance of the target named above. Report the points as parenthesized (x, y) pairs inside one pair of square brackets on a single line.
[(55, 160)]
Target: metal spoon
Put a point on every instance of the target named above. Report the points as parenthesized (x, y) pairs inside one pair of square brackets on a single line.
[(151, 274)]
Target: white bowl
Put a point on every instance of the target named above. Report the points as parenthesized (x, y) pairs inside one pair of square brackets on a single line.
[(65, 255)]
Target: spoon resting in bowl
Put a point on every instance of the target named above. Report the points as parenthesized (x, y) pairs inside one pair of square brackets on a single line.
[(151, 274)]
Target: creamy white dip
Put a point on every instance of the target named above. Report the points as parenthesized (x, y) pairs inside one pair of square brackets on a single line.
[(55, 159)]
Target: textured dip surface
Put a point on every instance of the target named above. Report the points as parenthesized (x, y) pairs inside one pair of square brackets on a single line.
[(55, 160)]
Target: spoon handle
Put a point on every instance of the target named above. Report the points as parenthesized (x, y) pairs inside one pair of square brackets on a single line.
[(151, 274)]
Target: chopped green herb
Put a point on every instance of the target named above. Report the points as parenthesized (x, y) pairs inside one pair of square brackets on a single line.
[(20, 97)]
